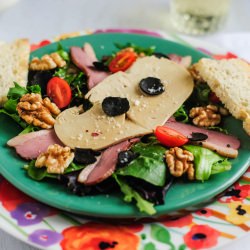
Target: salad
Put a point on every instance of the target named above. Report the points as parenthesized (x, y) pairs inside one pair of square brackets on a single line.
[(190, 145)]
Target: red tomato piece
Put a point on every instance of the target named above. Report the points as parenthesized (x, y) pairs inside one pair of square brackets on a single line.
[(59, 91), (170, 137), (122, 61)]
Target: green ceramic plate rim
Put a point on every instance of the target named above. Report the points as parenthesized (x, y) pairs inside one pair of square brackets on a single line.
[(108, 206)]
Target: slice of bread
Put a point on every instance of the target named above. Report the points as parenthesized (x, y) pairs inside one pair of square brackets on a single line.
[(14, 63), (230, 80)]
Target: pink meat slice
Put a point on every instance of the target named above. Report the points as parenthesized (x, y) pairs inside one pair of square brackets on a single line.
[(83, 58), (225, 145), (105, 165), (185, 61), (31, 145)]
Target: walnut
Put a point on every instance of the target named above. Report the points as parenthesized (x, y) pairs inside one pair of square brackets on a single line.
[(37, 111), (180, 162), (205, 116), (196, 76), (56, 159), (223, 111), (51, 106), (47, 62)]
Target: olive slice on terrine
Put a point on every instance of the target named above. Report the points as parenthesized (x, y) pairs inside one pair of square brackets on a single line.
[(152, 86), (113, 106)]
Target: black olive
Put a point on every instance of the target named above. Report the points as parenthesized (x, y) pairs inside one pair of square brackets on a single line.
[(152, 86), (160, 55), (198, 137), (85, 156), (100, 66), (40, 78), (113, 106), (125, 157)]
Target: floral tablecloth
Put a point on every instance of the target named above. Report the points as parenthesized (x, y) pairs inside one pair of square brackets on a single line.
[(217, 224)]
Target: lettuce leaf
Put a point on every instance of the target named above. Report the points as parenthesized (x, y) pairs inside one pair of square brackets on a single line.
[(14, 94), (63, 53), (207, 162), (149, 165), (39, 174), (181, 114), (30, 128), (130, 194), (15, 117)]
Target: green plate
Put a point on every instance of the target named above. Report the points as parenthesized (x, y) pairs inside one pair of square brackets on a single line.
[(180, 195)]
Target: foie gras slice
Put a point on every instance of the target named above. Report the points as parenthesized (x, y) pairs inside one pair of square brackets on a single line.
[(93, 129)]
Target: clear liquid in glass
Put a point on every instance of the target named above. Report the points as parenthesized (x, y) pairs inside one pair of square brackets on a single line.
[(198, 16)]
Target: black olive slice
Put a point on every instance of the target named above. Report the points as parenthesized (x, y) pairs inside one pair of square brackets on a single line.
[(113, 106), (125, 157), (152, 86), (100, 66), (85, 156), (198, 137)]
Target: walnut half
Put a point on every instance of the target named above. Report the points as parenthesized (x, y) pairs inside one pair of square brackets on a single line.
[(56, 159), (180, 162), (47, 62), (37, 111), (205, 116)]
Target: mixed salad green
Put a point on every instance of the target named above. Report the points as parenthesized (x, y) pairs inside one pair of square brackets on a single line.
[(145, 178)]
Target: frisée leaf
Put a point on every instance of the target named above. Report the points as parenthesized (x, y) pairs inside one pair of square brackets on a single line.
[(130, 194)]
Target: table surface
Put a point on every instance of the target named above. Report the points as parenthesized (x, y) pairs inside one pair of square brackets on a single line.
[(37, 20)]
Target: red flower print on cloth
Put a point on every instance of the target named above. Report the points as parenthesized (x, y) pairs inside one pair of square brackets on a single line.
[(178, 222), (204, 212), (11, 197), (236, 193), (96, 236), (201, 236)]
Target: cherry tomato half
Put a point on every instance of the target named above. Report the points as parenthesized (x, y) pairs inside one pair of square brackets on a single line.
[(59, 91), (170, 137), (122, 61)]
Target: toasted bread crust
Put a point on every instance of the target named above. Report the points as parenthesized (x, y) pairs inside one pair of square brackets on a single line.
[(14, 59), (230, 80)]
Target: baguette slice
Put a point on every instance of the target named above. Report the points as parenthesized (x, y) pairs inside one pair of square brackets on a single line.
[(14, 62), (230, 80)]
